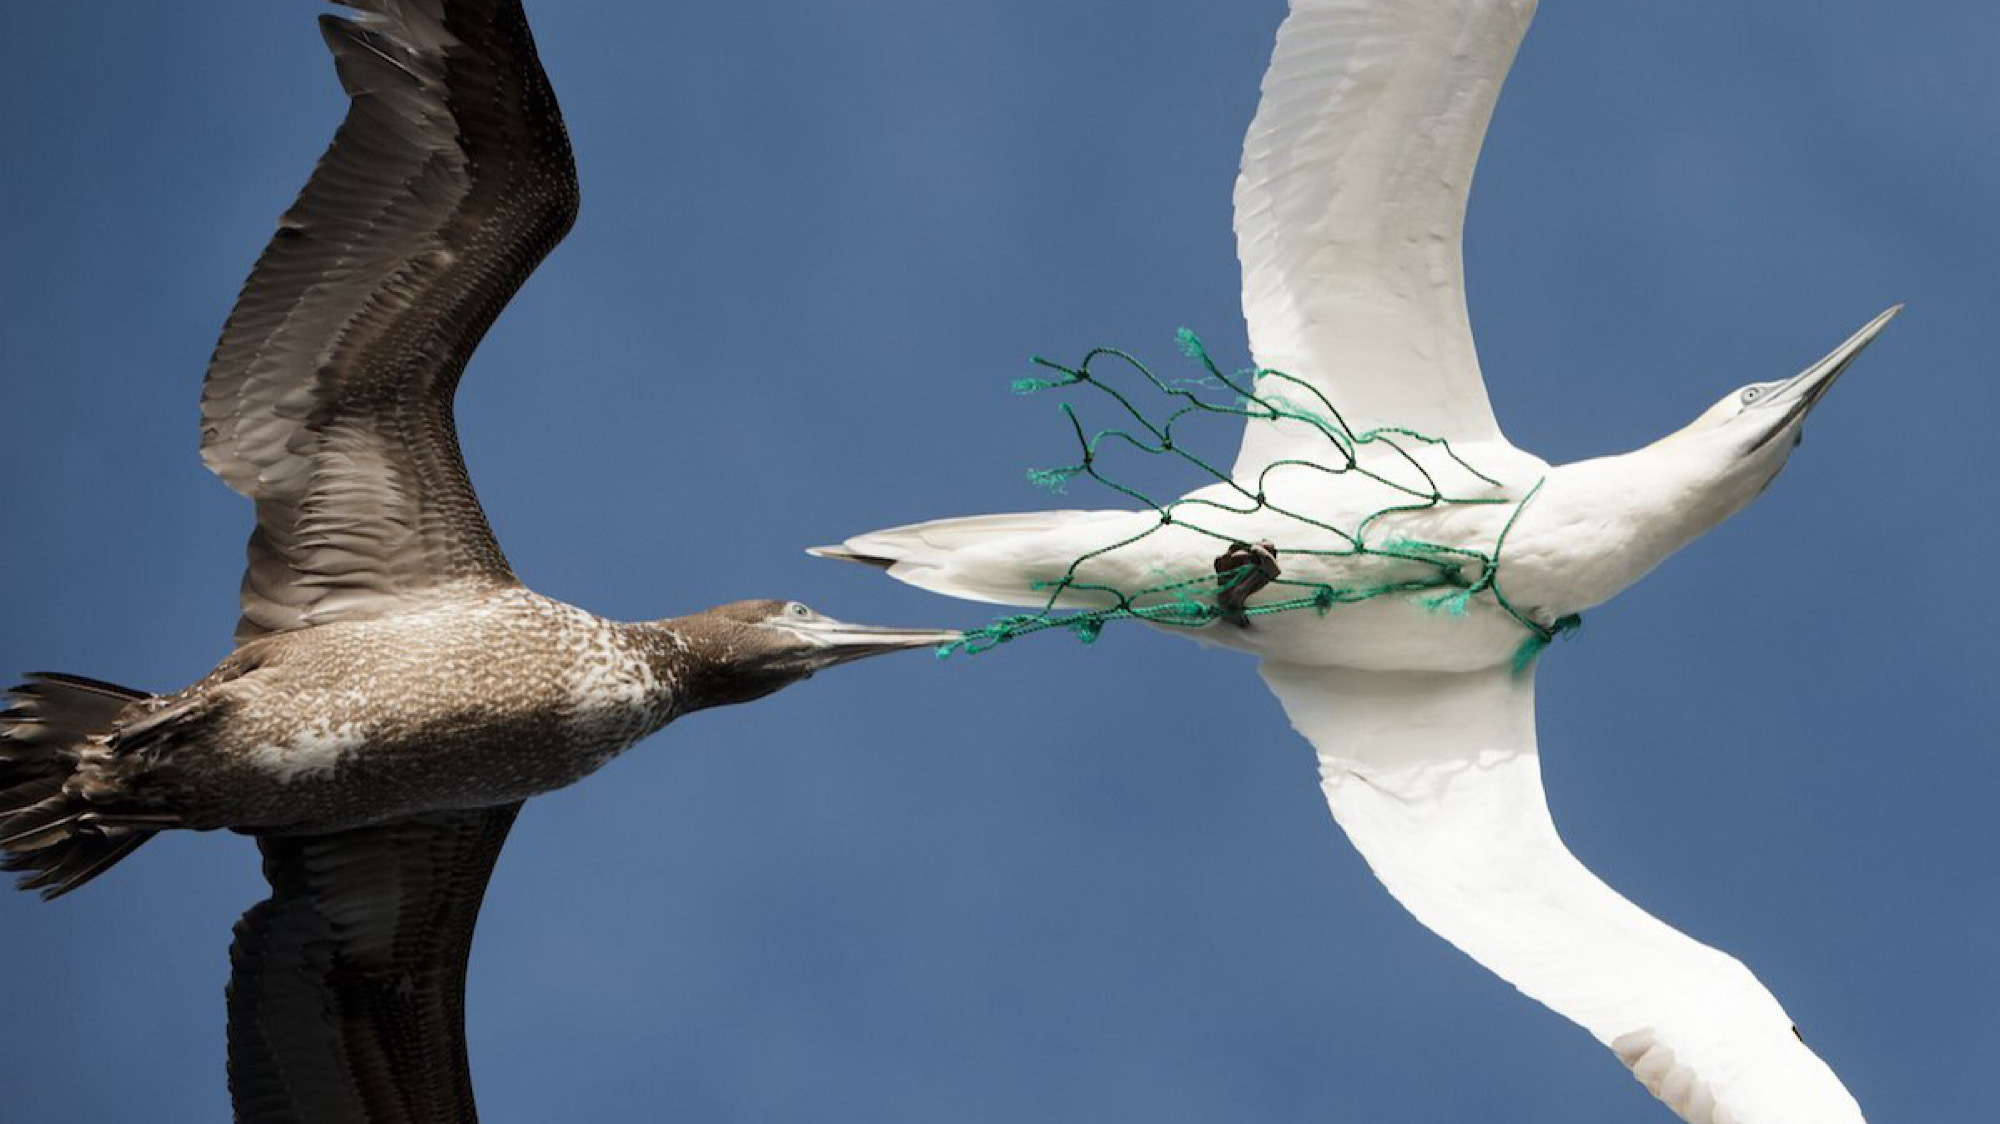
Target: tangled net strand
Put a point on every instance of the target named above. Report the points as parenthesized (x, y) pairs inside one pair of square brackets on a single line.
[(1455, 574)]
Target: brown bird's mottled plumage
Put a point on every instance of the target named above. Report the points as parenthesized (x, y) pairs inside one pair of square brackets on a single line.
[(395, 693)]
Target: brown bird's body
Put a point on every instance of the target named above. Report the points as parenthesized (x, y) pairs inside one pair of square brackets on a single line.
[(395, 692), (465, 704)]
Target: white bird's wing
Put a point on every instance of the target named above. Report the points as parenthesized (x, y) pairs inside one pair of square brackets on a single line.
[(1349, 211), (1436, 779)]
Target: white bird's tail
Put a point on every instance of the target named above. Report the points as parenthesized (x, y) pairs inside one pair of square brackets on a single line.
[(1000, 559)]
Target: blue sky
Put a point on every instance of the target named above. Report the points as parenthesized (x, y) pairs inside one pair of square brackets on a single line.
[(1053, 883)]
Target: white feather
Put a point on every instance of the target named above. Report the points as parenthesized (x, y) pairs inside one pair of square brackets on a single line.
[(1351, 205), (1436, 779)]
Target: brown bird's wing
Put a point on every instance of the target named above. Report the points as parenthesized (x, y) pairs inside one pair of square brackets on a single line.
[(329, 398), (347, 984)]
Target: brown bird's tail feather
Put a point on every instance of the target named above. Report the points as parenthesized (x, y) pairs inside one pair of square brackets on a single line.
[(48, 834)]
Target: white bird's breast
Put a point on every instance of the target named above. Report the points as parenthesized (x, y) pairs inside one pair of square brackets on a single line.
[(1396, 632), (1412, 546)]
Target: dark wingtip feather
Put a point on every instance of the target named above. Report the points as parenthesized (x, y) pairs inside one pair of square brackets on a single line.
[(81, 683), (842, 554)]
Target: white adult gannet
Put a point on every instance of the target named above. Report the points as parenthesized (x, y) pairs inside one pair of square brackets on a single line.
[(1349, 213)]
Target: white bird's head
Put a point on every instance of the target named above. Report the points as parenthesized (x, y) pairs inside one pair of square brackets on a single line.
[(1744, 440), (1618, 517)]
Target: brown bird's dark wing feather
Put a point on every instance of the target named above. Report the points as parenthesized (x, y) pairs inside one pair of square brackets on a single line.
[(347, 985), (329, 398)]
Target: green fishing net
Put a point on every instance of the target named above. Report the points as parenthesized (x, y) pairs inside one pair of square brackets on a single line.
[(1448, 577)]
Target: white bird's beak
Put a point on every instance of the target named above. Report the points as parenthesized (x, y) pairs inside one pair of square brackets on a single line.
[(1802, 392)]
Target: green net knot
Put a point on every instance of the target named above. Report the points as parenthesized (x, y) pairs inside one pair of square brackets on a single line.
[(1539, 640), (1063, 376), (1186, 610)]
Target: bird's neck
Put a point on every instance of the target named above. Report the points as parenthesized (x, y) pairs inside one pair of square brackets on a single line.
[(1598, 526), (699, 661)]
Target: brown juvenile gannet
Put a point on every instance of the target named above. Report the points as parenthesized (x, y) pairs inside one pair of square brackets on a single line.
[(395, 692)]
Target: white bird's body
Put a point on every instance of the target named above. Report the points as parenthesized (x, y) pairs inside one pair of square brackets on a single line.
[(1349, 214), (1011, 560)]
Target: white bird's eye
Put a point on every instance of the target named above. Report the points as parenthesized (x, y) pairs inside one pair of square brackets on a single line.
[(1751, 394)]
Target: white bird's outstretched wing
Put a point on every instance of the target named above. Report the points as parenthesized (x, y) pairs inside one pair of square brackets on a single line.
[(1350, 206), (1436, 779)]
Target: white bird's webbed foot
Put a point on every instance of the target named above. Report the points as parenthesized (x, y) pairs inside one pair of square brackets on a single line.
[(1243, 569)]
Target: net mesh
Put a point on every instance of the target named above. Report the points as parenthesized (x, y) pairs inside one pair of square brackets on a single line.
[(1448, 577)]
